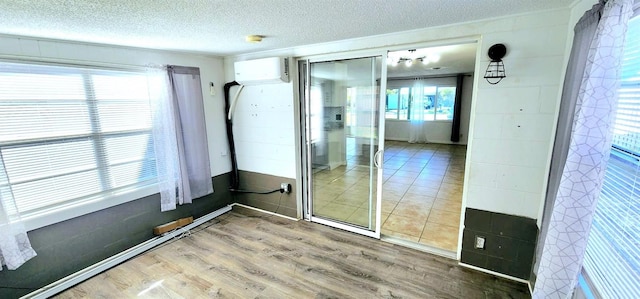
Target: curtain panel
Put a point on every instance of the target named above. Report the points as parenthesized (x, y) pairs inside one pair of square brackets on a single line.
[(15, 248), (192, 134), (584, 32), (165, 142), (587, 154), (457, 110), (179, 135), (417, 133)]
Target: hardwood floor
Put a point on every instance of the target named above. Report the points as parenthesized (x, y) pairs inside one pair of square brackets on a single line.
[(252, 255)]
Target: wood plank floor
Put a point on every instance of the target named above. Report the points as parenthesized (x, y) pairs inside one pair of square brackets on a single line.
[(250, 255)]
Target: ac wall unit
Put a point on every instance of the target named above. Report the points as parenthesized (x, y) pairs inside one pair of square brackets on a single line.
[(262, 71)]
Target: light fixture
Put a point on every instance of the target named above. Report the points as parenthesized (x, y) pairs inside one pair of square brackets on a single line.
[(253, 38), (495, 70), (412, 57), (408, 62)]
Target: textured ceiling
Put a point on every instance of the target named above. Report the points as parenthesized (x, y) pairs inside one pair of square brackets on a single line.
[(218, 26)]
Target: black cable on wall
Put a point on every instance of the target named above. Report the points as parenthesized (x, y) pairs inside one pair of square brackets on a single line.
[(235, 177)]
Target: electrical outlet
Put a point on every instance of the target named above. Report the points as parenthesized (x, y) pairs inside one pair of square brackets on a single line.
[(285, 188), (479, 242)]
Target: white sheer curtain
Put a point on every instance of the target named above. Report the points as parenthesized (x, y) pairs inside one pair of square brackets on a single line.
[(590, 142), (15, 248), (417, 133), (164, 139), (179, 135)]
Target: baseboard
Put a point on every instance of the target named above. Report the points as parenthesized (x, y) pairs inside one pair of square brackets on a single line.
[(262, 211), (496, 274), (95, 269)]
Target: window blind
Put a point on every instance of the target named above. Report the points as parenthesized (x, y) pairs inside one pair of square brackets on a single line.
[(72, 133), (612, 260)]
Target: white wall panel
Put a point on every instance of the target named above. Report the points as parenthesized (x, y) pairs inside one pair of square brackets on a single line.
[(264, 129)]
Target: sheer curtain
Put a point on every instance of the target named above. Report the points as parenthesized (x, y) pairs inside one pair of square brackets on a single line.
[(15, 248), (590, 142), (179, 135), (417, 133), (165, 143)]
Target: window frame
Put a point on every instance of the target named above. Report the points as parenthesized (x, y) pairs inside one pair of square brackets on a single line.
[(107, 198)]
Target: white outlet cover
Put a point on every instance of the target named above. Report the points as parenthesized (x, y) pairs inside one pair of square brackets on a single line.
[(479, 242)]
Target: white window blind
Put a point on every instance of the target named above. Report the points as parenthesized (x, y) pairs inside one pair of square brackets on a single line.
[(612, 260), (69, 134)]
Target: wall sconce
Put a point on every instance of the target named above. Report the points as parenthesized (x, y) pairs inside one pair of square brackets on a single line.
[(495, 70)]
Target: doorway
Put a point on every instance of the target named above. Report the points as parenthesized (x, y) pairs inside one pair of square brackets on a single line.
[(361, 172), (424, 164), (343, 144)]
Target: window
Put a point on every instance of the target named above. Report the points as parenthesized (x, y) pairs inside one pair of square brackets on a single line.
[(612, 260), (69, 134), (437, 102), (397, 103)]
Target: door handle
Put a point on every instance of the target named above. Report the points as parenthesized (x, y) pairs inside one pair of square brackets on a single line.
[(376, 158)]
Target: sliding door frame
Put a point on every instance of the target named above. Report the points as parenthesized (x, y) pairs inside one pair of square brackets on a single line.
[(307, 184)]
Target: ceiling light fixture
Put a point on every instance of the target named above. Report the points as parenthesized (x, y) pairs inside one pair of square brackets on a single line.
[(253, 38), (408, 62)]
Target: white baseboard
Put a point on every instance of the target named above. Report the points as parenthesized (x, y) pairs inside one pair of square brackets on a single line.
[(263, 211), (95, 269), (495, 273)]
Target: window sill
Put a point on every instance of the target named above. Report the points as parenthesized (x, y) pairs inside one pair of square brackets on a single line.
[(48, 217)]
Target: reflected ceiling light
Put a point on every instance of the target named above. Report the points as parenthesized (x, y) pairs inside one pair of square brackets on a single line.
[(495, 70), (434, 57)]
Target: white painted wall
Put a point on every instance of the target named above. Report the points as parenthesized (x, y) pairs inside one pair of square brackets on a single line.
[(437, 131), (511, 124), (211, 70), (263, 129), (512, 127)]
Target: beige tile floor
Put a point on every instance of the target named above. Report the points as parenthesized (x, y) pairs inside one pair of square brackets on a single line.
[(421, 199)]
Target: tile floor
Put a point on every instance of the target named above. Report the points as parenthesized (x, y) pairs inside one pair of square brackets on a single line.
[(421, 199)]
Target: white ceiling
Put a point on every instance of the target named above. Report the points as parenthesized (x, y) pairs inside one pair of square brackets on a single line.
[(452, 59), (218, 27)]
